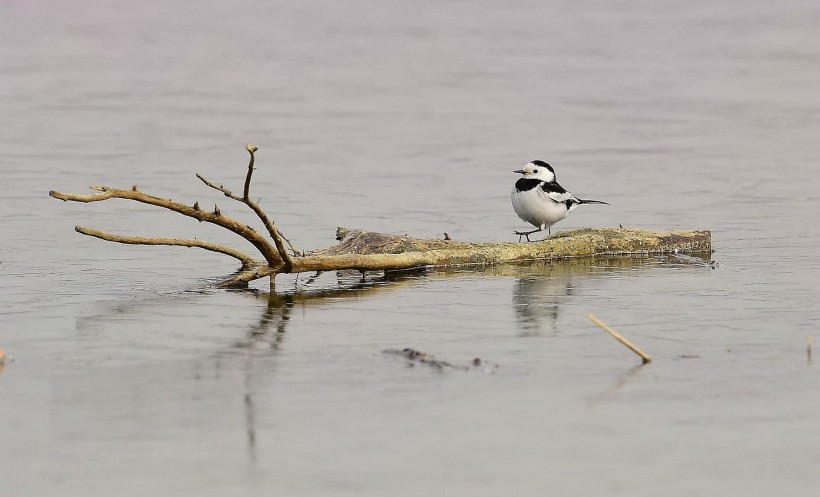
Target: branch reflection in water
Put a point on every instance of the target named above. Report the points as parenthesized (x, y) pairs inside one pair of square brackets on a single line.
[(162, 331), (269, 333), (542, 287)]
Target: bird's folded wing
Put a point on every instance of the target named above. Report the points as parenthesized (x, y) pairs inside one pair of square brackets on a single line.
[(556, 192)]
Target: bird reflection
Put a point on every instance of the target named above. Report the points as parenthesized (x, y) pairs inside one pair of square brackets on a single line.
[(537, 301), (542, 288)]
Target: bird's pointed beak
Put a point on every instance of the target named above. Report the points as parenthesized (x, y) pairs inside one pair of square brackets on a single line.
[(519, 171)]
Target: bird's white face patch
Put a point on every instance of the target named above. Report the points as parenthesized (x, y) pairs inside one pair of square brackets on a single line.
[(534, 171)]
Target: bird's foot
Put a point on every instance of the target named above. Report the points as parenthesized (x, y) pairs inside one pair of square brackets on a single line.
[(525, 234)]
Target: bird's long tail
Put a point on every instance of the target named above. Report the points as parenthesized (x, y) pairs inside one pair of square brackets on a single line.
[(582, 201)]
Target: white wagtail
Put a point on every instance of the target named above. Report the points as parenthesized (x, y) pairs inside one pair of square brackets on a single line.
[(539, 200)]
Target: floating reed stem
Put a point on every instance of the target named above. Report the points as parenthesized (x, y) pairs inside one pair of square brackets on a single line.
[(646, 359)]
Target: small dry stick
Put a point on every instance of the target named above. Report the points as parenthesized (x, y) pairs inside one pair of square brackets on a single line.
[(646, 359)]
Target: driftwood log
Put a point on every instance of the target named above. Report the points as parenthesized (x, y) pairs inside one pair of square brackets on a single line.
[(369, 251)]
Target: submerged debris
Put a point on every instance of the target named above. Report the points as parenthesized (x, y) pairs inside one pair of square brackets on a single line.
[(414, 356), (695, 260)]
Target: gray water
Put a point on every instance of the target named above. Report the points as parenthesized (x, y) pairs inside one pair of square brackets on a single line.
[(131, 376)]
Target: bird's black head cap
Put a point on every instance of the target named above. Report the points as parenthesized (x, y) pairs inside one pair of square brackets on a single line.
[(541, 163)]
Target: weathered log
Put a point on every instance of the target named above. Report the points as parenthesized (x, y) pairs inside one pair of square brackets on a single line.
[(366, 250), (369, 251)]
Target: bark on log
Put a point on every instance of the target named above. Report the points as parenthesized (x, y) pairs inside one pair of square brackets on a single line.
[(369, 251)]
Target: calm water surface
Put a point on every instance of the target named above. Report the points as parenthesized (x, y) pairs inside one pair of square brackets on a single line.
[(131, 377)]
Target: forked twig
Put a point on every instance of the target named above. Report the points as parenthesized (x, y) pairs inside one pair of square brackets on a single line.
[(269, 252), (245, 199)]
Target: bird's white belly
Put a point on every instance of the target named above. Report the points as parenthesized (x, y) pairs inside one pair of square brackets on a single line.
[(534, 207)]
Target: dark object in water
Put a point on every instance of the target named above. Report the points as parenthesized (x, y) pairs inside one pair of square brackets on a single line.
[(415, 356)]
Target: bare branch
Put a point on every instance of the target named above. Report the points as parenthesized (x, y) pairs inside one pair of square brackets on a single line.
[(244, 277), (246, 260), (251, 150), (270, 252), (245, 199), (90, 197), (220, 188), (293, 249), (274, 233)]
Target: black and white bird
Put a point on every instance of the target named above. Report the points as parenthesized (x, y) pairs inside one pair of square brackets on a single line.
[(539, 200)]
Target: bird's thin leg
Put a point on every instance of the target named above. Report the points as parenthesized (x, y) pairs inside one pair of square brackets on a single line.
[(526, 234)]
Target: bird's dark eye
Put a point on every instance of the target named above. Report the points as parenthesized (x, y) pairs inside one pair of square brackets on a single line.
[(535, 171)]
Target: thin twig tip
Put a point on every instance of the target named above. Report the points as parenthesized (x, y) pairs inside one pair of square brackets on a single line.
[(250, 148)]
